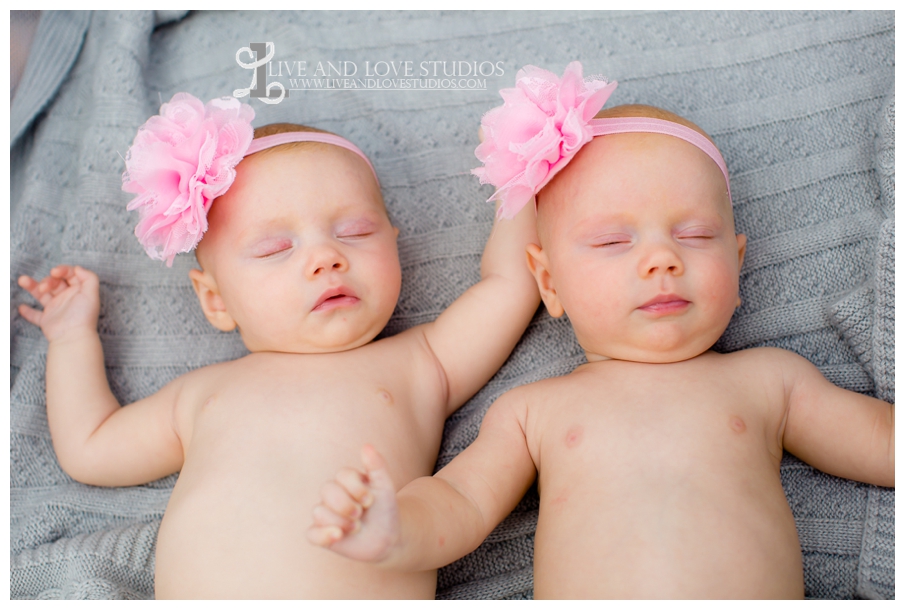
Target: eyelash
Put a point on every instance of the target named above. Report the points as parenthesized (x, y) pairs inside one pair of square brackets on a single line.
[(274, 253), (612, 242)]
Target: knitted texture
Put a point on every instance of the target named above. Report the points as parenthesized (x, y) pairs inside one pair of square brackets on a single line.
[(886, 155), (884, 334), (799, 103)]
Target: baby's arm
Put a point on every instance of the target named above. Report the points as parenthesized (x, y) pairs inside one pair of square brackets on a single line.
[(432, 521), (473, 337), (840, 432), (95, 440)]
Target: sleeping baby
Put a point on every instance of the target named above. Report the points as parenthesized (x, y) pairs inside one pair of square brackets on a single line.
[(299, 254), (658, 461)]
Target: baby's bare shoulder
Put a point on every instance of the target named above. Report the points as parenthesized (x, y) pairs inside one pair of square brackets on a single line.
[(766, 371), (540, 394), (412, 345), (199, 383), (766, 361)]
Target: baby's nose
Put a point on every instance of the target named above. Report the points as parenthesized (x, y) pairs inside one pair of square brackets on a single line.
[(327, 259), (661, 259)]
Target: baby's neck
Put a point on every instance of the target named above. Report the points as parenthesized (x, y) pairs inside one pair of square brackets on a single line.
[(302, 352), (593, 357)]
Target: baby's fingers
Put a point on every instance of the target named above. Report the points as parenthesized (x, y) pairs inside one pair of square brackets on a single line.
[(60, 278), (84, 276), (356, 484), (324, 536), (324, 517), (378, 475), (63, 272), (30, 285), (44, 290), (65, 276), (336, 498), (30, 314)]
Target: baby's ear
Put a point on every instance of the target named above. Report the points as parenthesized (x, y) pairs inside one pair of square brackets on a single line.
[(211, 302), (540, 269), (742, 244)]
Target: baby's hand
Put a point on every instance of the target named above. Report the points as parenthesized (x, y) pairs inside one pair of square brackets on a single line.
[(358, 516), (70, 298)]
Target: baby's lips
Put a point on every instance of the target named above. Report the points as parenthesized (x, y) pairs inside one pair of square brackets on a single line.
[(667, 305), (343, 291), (663, 298)]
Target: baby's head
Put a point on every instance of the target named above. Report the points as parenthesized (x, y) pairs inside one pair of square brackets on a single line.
[(300, 253), (638, 245)]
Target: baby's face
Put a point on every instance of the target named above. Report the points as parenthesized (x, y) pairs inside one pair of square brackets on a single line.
[(301, 253), (639, 249)]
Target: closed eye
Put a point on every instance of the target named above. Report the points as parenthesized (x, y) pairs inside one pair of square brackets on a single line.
[(612, 240), (355, 229), (274, 253), (271, 248), (700, 232)]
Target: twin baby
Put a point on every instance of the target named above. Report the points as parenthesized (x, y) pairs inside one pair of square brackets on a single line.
[(657, 461)]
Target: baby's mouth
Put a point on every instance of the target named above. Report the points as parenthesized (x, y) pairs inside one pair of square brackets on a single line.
[(665, 304), (335, 298)]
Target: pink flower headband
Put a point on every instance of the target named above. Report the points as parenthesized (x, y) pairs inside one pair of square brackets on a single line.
[(185, 157), (544, 121)]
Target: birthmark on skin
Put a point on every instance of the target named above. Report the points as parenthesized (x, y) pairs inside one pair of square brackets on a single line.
[(574, 436), (441, 541), (738, 424), (385, 396)]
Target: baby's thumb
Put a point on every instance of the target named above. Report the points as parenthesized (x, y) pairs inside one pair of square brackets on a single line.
[(86, 277), (378, 475)]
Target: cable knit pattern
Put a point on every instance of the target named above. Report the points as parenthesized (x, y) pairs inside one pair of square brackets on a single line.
[(800, 104), (884, 334)]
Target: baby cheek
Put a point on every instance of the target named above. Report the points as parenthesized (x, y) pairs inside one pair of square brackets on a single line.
[(721, 284), (384, 275), (592, 302), (262, 297)]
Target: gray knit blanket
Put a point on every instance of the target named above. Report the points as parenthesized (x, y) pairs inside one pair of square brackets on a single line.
[(800, 103)]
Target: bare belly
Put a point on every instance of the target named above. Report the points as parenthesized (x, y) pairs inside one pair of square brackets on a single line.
[(235, 539), (681, 540), (236, 523)]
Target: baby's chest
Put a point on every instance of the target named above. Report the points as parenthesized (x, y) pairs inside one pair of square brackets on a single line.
[(663, 427), (291, 406)]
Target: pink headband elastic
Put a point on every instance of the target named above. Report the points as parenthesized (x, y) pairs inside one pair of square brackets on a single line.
[(543, 123), (259, 144), (185, 157)]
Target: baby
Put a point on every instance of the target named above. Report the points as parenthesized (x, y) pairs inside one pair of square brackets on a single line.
[(657, 462), (300, 256)]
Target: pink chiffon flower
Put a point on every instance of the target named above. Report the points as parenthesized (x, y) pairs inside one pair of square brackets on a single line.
[(542, 123), (179, 162)]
